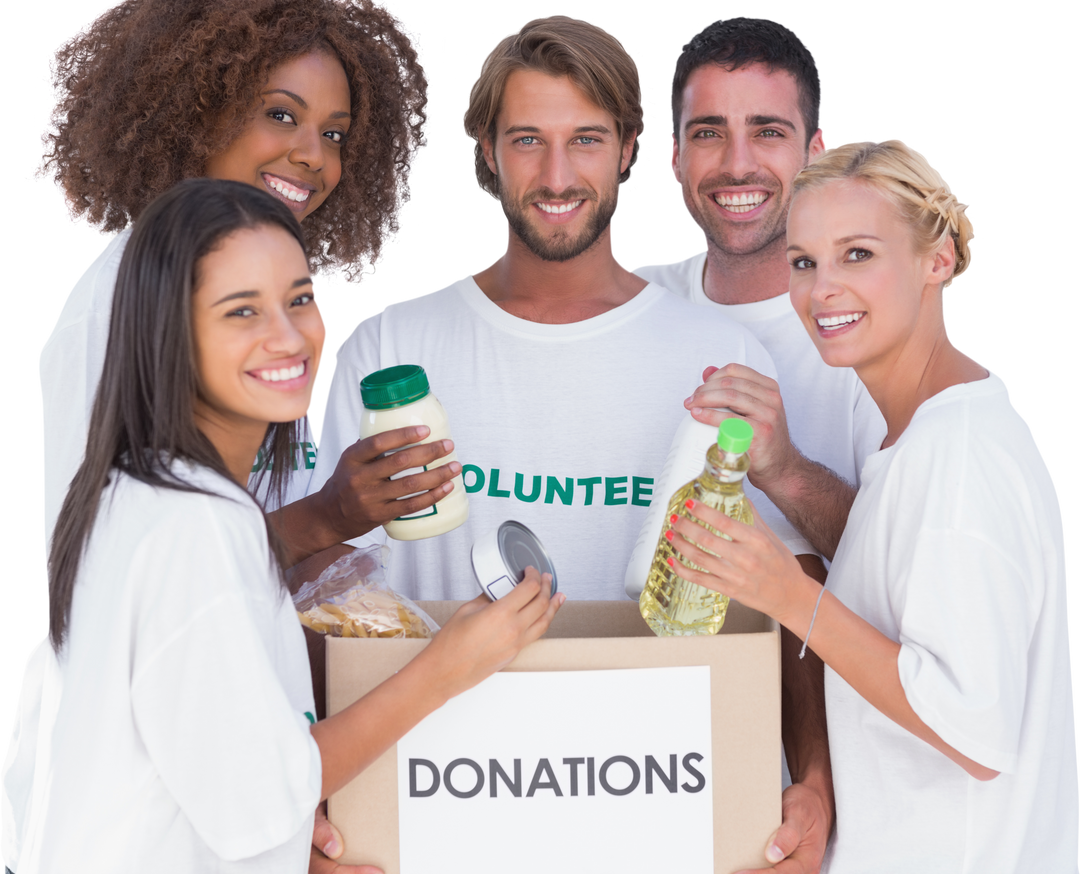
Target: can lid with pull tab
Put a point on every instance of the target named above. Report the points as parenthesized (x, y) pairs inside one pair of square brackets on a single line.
[(499, 559)]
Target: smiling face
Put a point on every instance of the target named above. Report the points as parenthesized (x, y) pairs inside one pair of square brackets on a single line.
[(557, 157), (742, 141), (258, 338), (291, 147), (857, 281)]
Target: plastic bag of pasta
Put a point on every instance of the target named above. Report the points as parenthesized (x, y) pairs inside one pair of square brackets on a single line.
[(351, 599)]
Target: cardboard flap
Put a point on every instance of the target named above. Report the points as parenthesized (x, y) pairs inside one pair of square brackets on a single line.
[(612, 619)]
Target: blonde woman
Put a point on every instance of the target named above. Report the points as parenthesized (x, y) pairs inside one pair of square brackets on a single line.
[(943, 627)]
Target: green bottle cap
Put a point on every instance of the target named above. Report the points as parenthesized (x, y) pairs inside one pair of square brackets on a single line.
[(394, 387), (734, 435)]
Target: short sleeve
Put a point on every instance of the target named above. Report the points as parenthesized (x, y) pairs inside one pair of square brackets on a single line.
[(231, 744), (966, 627)]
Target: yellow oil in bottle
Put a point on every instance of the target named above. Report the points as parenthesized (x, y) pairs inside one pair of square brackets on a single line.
[(669, 604)]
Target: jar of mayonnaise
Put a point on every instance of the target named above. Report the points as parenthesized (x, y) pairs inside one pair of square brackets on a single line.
[(398, 397)]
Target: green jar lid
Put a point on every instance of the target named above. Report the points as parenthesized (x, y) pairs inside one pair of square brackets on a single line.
[(735, 435), (394, 387)]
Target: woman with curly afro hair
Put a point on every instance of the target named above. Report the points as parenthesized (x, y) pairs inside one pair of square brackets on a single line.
[(320, 103), (153, 91)]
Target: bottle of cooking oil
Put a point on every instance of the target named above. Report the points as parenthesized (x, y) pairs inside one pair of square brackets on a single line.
[(669, 604)]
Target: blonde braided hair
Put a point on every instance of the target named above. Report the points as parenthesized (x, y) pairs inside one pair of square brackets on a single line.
[(915, 188)]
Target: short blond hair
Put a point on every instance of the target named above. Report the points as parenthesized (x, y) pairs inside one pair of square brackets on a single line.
[(592, 58), (906, 178)]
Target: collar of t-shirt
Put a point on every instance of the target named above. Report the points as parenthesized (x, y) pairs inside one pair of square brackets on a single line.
[(495, 315), (979, 388), (743, 313)]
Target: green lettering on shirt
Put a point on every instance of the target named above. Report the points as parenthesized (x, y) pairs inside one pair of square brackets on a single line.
[(478, 483), (555, 487), (640, 491), (519, 488), (493, 487), (589, 482), (612, 489)]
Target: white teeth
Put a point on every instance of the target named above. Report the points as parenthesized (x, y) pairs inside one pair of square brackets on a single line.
[(283, 373), (559, 210), (293, 194), (741, 202), (838, 321)]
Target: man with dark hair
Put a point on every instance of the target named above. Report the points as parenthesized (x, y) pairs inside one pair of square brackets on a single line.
[(744, 103)]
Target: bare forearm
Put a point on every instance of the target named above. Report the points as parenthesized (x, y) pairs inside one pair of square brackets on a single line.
[(479, 639), (868, 661), (352, 740), (814, 499), (307, 527), (804, 727)]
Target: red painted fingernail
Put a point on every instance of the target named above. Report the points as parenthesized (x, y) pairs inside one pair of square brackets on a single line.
[(690, 504), (673, 519), (670, 535), (671, 562)]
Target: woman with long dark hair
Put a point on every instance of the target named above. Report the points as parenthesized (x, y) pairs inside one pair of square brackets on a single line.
[(177, 729)]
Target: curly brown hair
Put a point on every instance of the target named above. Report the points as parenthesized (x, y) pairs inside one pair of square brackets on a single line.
[(155, 87)]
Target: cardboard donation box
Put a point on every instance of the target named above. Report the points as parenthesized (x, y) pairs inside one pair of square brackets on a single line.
[(601, 748)]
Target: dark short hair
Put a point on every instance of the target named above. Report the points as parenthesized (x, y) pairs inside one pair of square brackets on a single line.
[(594, 60), (739, 42), (143, 416)]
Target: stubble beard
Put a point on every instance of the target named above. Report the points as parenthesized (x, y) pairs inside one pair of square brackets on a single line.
[(723, 236), (560, 246)]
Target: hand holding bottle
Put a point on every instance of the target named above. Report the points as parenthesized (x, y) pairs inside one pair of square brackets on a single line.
[(738, 389), (753, 567), (361, 494)]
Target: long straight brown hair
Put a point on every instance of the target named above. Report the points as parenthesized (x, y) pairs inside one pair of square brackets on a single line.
[(143, 417)]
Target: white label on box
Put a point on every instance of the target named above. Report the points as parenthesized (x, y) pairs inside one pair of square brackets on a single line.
[(575, 771)]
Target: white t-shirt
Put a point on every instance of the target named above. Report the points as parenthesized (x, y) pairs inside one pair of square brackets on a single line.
[(71, 365), (954, 549), (173, 734), (831, 417), (563, 428)]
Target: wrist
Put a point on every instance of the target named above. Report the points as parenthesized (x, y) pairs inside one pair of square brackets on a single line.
[(783, 480), (429, 676), (800, 605), (816, 777), (330, 524)]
